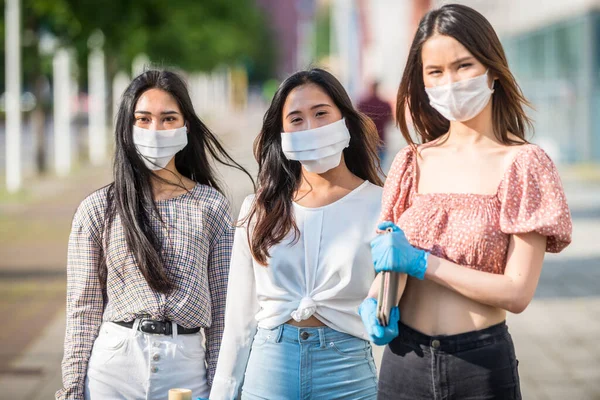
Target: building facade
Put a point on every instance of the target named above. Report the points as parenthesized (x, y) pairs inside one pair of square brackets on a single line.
[(553, 49)]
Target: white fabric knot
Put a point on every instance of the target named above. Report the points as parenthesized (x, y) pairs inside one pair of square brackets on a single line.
[(306, 309)]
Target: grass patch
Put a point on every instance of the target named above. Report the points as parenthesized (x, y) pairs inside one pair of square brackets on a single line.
[(15, 229), (21, 196)]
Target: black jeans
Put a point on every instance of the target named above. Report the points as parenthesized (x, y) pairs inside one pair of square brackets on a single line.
[(469, 366)]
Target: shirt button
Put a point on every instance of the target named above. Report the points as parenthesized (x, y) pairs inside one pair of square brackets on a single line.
[(304, 335), (156, 344), (154, 369), (156, 357), (435, 344)]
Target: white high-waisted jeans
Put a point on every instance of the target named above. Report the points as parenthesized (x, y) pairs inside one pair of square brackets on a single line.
[(130, 364)]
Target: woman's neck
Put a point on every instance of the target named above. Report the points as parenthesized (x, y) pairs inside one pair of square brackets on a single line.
[(473, 132), (169, 182), (339, 176)]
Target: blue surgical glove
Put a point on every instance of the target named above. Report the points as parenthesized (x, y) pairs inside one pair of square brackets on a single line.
[(380, 335), (392, 252)]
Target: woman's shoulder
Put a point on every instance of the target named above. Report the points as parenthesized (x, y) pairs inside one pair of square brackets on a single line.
[(248, 200), (211, 198), (372, 195), (91, 212), (530, 150), (372, 191), (404, 165), (404, 158), (529, 158), (95, 203)]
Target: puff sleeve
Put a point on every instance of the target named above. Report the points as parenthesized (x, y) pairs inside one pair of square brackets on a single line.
[(399, 185), (533, 200)]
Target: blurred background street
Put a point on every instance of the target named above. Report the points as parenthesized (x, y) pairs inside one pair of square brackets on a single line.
[(66, 63)]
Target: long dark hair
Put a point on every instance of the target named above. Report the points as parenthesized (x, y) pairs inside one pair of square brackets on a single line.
[(473, 31), (279, 178), (130, 195)]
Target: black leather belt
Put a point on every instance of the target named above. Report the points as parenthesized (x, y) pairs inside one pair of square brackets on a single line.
[(158, 327)]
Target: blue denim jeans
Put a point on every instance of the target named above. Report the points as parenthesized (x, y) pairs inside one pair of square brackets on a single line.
[(291, 363)]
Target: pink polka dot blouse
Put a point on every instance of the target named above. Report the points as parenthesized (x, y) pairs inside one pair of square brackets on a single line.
[(474, 230)]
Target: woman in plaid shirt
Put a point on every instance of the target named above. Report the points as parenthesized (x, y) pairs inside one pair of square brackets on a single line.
[(148, 255)]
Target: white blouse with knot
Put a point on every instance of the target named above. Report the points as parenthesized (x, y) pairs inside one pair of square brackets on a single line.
[(326, 273)]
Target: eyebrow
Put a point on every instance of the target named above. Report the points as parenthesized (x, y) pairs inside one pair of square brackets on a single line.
[(312, 108), (162, 113), (458, 61)]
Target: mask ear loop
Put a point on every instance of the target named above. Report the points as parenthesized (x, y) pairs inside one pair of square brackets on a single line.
[(187, 131), (493, 88)]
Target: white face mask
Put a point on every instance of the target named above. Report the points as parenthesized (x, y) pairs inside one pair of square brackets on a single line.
[(462, 100), (319, 149), (157, 148)]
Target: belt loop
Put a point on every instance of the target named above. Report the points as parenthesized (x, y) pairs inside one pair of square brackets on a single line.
[(174, 328), (322, 337), (279, 334), (135, 327)]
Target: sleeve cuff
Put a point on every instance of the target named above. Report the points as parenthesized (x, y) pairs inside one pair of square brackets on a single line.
[(224, 389)]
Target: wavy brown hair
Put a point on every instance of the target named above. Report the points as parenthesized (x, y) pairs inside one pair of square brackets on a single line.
[(271, 214), (473, 31)]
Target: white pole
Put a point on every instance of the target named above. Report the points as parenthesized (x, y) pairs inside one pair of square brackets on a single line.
[(229, 90), (220, 91), (141, 62), (97, 107), (13, 95), (194, 91), (305, 33), (210, 93), (120, 83), (203, 98), (344, 36), (62, 112)]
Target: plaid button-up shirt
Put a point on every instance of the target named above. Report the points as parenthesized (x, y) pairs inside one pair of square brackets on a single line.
[(196, 236)]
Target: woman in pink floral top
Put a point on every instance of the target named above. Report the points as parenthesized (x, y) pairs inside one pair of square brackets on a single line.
[(471, 212)]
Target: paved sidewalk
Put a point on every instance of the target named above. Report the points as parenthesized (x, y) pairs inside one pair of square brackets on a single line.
[(555, 338)]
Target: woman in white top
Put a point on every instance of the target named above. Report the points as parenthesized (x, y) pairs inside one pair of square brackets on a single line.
[(301, 262)]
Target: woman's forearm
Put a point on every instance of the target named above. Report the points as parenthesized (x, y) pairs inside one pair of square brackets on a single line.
[(483, 287)]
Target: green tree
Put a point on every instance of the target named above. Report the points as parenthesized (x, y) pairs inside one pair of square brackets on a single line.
[(193, 35), (190, 34)]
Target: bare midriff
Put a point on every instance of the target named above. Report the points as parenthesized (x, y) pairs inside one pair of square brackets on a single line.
[(435, 310), (311, 322)]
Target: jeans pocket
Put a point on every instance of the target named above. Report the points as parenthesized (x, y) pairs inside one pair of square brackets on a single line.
[(262, 336), (351, 347), (107, 346), (190, 346), (111, 338)]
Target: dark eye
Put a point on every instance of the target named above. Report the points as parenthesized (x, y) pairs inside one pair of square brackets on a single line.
[(170, 119), (320, 113), (142, 119), (294, 120), (465, 65), (435, 72)]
